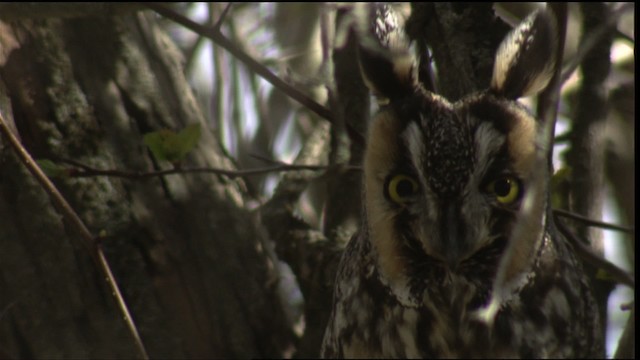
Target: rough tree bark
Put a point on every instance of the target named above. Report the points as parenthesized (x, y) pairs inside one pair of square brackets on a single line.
[(190, 259)]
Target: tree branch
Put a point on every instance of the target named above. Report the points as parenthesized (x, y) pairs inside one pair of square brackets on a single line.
[(95, 248), (37, 10), (592, 41), (216, 36), (594, 259), (83, 170), (222, 17), (592, 222)]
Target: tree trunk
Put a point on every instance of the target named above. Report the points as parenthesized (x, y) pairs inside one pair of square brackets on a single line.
[(191, 261)]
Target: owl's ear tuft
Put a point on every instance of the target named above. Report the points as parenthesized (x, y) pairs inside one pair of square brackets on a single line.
[(525, 60), (386, 62)]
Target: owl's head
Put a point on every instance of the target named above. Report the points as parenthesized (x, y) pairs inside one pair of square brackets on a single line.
[(445, 182)]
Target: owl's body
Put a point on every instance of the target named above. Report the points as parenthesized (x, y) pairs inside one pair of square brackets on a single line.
[(552, 316), (456, 218)]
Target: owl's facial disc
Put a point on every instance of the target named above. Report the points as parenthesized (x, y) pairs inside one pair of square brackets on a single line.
[(444, 181), (440, 150)]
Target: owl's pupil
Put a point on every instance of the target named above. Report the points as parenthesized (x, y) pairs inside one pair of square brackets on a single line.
[(502, 187), (404, 188)]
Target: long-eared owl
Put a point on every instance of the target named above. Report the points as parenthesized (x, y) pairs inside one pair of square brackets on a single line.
[(457, 254)]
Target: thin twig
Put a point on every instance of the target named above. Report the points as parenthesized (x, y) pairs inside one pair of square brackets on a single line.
[(216, 36), (625, 37), (265, 159), (562, 138), (83, 170), (95, 248), (223, 15), (593, 39), (592, 222), (594, 259), (190, 54)]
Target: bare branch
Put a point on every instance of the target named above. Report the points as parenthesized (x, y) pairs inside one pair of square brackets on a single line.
[(83, 170), (38, 10), (594, 38), (190, 54), (95, 248), (594, 259), (222, 17), (592, 222), (216, 36)]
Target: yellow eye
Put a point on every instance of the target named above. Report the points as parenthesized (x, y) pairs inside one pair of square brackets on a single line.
[(401, 187), (506, 189)]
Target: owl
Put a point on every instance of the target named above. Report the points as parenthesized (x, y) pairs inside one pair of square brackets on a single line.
[(457, 254)]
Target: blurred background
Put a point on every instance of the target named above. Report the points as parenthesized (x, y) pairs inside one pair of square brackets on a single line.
[(254, 122)]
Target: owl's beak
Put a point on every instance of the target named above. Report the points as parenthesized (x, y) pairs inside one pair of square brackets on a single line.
[(453, 234)]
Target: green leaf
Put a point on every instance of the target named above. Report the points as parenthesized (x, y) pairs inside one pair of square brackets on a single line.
[(51, 169), (604, 275), (167, 145), (157, 143), (188, 139)]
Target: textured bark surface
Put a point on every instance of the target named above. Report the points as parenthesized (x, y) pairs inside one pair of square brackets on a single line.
[(463, 39), (586, 155), (190, 260)]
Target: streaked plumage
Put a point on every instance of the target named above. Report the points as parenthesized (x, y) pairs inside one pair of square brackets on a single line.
[(448, 188)]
